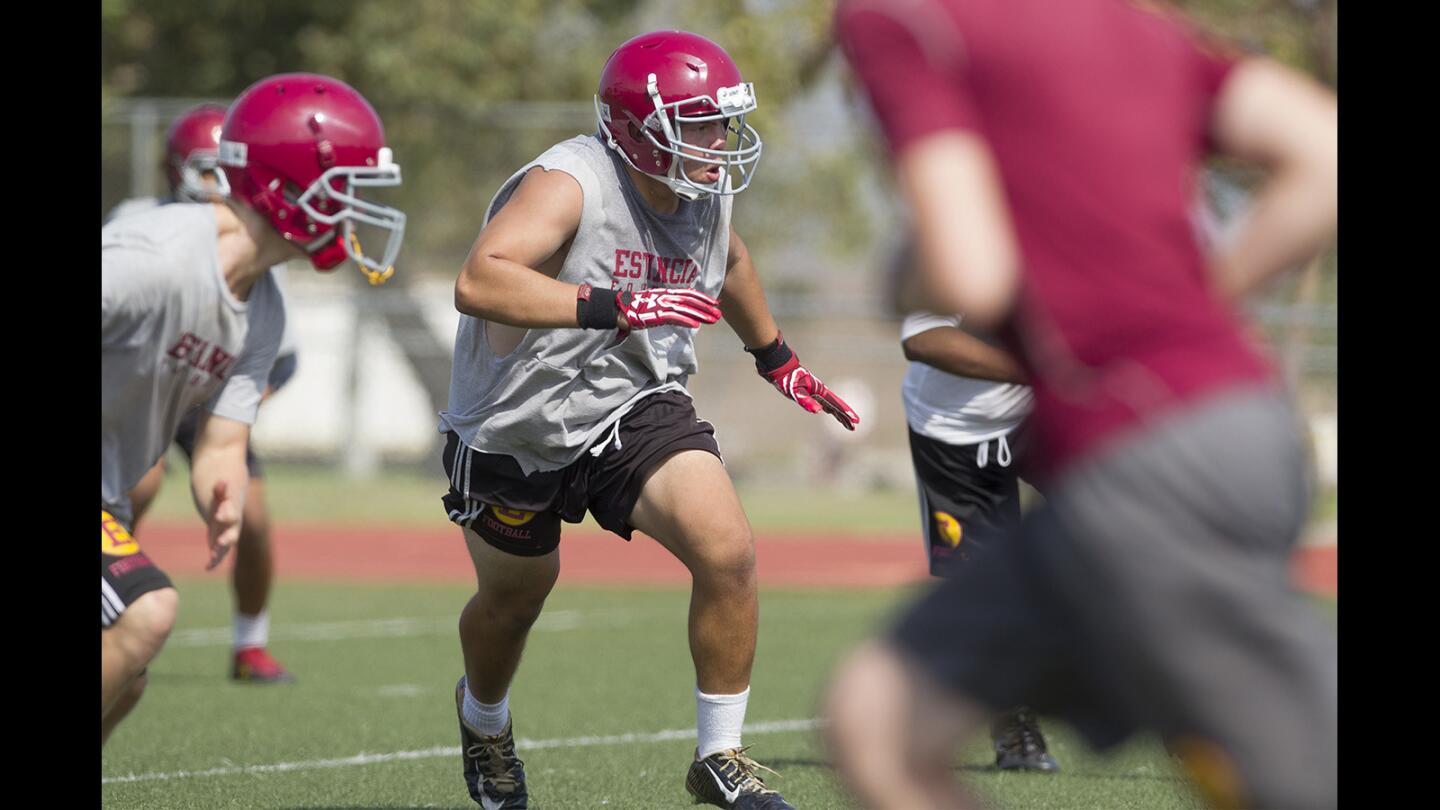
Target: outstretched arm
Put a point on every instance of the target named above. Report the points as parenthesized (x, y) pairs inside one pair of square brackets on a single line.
[(747, 313)]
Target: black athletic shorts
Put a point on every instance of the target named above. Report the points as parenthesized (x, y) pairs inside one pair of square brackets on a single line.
[(965, 505), (126, 574), (520, 514)]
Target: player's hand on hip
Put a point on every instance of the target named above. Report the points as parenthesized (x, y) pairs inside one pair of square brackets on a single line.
[(222, 524), (778, 364), (667, 307)]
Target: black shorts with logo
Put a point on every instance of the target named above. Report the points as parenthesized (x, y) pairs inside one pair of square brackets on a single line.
[(965, 505), (520, 514), (126, 574)]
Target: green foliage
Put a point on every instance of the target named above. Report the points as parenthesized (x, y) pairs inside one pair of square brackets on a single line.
[(437, 69)]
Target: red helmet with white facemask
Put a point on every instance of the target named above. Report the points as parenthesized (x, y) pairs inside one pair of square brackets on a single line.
[(297, 147), (192, 145), (655, 85)]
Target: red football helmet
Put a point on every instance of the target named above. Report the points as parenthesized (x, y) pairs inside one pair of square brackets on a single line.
[(191, 146), (295, 148), (656, 83)]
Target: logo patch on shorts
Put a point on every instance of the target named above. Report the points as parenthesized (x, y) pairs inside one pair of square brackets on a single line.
[(949, 529), (114, 539), (512, 517)]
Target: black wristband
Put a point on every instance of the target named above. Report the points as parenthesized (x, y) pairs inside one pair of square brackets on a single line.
[(772, 355), (596, 308)]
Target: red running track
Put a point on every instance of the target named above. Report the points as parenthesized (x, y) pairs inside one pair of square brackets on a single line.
[(381, 554)]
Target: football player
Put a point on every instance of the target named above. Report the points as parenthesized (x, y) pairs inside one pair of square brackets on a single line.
[(192, 155), (191, 318), (596, 263), (1049, 154)]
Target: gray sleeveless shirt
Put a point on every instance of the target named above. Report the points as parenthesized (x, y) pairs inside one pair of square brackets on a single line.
[(560, 389)]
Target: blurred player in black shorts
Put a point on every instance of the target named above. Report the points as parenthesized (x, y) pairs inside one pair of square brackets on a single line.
[(966, 402)]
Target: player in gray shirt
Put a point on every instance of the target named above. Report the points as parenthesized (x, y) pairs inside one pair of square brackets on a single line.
[(580, 298), (191, 318), (192, 163)]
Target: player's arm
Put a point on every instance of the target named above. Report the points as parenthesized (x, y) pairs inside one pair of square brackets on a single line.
[(957, 352), (1284, 121), (911, 61), (501, 280), (218, 479), (743, 298), (743, 301), (968, 258), (509, 276)]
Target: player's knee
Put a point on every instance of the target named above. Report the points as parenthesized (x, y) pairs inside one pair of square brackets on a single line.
[(513, 610), (148, 621), (727, 557)]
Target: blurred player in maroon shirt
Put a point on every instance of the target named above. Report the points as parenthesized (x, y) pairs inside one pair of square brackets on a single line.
[(1049, 154)]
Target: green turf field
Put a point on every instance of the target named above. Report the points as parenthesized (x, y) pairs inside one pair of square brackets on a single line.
[(377, 668)]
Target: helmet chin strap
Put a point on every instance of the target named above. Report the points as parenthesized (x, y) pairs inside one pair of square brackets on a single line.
[(375, 277)]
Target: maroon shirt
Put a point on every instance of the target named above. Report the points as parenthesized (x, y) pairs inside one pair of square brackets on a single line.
[(1097, 114)]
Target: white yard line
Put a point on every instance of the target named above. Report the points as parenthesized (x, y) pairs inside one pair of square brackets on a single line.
[(555, 621), (522, 744)]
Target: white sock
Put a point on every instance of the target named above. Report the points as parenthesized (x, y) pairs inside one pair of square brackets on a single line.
[(252, 631), (718, 719), (487, 718)]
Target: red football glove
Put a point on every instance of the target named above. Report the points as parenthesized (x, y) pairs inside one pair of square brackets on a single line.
[(665, 306), (669, 306), (778, 364)]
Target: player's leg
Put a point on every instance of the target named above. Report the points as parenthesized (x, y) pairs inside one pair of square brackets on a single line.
[(251, 579), (893, 731), (516, 558), (688, 504), (969, 501), (510, 594), (986, 637), (494, 624), (137, 612), (690, 507), (132, 641), (122, 706)]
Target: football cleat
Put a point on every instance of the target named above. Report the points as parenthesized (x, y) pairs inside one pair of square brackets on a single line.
[(1019, 745), (730, 779), (257, 665), (494, 775)]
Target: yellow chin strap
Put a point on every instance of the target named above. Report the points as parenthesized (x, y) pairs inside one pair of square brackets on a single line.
[(375, 277)]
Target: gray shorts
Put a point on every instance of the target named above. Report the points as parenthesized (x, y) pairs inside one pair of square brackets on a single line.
[(1151, 592)]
